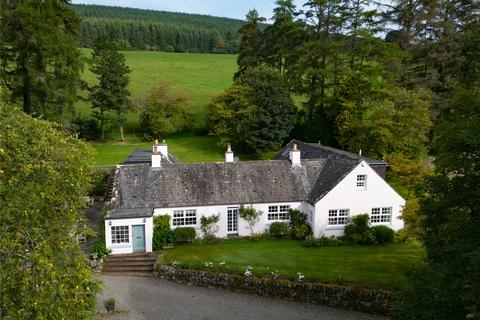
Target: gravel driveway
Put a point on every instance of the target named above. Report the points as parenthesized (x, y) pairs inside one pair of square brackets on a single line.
[(153, 298)]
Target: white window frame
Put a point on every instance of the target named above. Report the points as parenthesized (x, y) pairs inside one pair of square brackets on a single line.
[(338, 217), (381, 215), (232, 219), (361, 183), (120, 234), (184, 218), (278, 212)]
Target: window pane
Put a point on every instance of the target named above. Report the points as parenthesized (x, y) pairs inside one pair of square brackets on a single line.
[(338, 217)]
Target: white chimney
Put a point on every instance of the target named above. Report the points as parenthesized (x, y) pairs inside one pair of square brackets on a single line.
[(229, 154), (163, 148), (295, 155), (156, 158)]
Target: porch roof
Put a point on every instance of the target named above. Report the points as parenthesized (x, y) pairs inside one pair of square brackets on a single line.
[(123, 213)]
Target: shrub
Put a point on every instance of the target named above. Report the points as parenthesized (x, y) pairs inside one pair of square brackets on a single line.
[(299, 228), (251, 215), (321, 242), (359, 231), (383, 234), (300, 232), (209, 226), (279, 230), (100, 249), (184, 235), (162, 234), (297, 217)]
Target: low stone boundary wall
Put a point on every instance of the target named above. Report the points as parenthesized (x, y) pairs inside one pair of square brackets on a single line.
[(334, 295)]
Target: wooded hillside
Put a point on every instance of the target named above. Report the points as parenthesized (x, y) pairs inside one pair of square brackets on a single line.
[(158, 30)]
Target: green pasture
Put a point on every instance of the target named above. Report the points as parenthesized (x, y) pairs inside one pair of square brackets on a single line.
[(201, 76)]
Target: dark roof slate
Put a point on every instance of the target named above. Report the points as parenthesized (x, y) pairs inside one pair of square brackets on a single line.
[(138, 186), (145, 156), (123, 213), (199, 184), (319, 151)]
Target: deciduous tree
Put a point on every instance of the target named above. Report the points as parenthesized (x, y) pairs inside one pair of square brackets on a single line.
[(447, 286), (165, 110), (44, 177)]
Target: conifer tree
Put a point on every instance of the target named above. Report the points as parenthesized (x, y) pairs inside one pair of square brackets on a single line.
[(110, 97), (249, 55), (39, 57)]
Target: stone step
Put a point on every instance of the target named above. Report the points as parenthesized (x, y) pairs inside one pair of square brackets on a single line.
[(130, 259), (130, 263), (108, 268), (128, 273)]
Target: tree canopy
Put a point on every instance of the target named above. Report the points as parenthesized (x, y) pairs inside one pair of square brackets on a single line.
[(448, 285), (157, 30), (40, 61), (256, 114), (165, 110), (110, 97), (44, 177)]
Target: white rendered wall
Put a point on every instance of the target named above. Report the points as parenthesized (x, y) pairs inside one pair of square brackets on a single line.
[(127, 247), (309, 210), (243, 229), (377, 194)]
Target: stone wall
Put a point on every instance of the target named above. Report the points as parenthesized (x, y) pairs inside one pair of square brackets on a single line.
[(335, 295)]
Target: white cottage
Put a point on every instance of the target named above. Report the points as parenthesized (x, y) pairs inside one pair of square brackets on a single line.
[(327, 184)]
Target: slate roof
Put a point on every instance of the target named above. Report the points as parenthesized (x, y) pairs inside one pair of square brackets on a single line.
[(319, 151), (145, 156), (123, 213), (201, 184)]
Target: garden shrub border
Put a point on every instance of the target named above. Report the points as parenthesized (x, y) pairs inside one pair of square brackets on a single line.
[(345, 296)]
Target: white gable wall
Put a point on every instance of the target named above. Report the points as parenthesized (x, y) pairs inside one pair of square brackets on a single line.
[(345, 195), (243, 229)]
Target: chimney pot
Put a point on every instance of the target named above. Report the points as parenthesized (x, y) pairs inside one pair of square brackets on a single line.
[(229, 153), (295, 155)]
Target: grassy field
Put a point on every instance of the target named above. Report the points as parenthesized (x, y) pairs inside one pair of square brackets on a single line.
[(373, 265), (186, 147), (201, 76)]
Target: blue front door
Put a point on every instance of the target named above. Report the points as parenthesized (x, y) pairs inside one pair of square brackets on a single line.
[(138, 236)]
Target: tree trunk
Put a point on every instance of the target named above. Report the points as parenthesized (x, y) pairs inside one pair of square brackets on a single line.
[(27, 95), (121, 133), (102, 123)]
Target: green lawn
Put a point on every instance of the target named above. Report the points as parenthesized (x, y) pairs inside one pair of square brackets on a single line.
[(372, 265), (186, 146), (201, 76)]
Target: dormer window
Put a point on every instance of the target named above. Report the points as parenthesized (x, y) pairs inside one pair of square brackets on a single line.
[(361, 181)]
